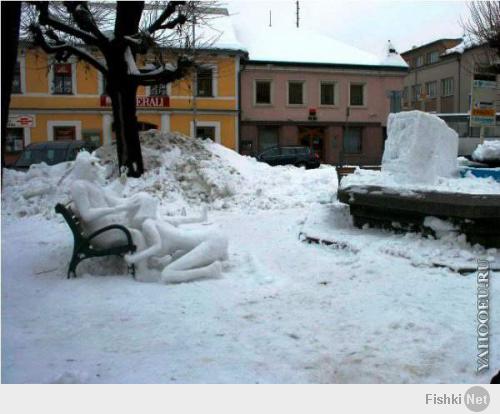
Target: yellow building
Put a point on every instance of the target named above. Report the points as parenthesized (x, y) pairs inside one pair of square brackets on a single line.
[(56, 101)]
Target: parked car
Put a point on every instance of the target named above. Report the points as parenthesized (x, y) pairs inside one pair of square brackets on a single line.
[(51, 152), (290, 155)]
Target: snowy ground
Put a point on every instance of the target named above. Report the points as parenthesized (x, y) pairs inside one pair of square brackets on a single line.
[(284, 311)]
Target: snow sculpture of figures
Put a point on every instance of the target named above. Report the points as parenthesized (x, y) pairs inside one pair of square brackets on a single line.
[(182, 255)]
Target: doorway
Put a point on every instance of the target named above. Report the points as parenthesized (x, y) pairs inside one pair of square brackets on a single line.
[(314, 138)]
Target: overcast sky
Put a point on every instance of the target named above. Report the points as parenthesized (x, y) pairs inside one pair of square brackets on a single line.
[(364, 24)]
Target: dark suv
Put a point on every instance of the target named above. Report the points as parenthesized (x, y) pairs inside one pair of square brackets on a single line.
[(290, 155), (51, 152)]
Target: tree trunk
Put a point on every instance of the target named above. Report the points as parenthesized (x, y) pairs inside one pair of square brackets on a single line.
[(11, 15), (123, 100)]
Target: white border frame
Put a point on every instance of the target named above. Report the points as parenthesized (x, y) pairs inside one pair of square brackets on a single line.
[(215, 124), (365, 94), (52, 124), (74, 89), (304, 96), (336, 96), (271, 81)]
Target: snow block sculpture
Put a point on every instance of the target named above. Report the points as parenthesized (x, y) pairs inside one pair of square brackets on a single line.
[(420, 148)]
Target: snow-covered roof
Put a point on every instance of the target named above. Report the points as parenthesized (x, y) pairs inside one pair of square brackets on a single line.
[(217, 32), (307, 46), (460, 48)]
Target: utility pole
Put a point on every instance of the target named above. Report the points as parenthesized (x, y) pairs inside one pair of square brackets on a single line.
[(298, 10), (195, 80), (270, 19)]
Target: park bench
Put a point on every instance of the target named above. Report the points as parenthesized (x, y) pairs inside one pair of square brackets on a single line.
[(83, 248)]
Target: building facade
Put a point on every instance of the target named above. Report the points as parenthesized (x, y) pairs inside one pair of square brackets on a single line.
[(67, 100), (340, 111), (440, 76)]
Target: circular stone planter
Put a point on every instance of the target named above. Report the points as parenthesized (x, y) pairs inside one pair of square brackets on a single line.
[(475, 215)]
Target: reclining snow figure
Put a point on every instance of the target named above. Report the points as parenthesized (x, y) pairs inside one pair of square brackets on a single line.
[(182, 255)]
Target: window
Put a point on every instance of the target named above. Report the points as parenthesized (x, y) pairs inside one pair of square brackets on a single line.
[(352, 140), (263, 92), (64, 133), (327, 93), (16, 82), (63, 79), (432, 57), (159, 90), (431, 89), (205, 132), (447, 87), (419, 61), (405, 95), (14, 140), (204, 78), (268, 137), (415, 92), (104, 84), (295, 93), (357, 94)]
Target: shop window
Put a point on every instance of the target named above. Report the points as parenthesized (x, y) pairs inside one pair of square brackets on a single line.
[(268, 137), (14, 140), (63, 79), (204, 82), (64, 133), (205, 132), (352, 140)]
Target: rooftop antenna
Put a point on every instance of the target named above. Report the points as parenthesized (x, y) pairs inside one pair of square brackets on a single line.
[(298, 10), (270, 19)]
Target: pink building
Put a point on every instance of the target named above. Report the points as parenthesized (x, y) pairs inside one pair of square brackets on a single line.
[(331, 97)]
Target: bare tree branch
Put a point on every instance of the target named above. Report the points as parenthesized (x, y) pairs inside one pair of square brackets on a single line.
[(63, 49), (47, 20)]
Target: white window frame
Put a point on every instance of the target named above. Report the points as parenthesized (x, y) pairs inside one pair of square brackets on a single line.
[(443, 94), (430, 54), (22, 70), (427, 88), (365, 97), (255, 103), (74, 89), (215, 85), (52, 124), (215, 124), (304, 97), (335, 93)]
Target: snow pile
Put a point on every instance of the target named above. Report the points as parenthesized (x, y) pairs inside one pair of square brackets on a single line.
[(420, 148), (487, 151), (182, 173)]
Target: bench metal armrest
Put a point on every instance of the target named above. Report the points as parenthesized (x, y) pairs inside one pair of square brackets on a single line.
[(113, 227)]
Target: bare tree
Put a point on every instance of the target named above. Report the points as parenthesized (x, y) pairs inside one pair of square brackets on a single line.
[(483, 27), (111, 37), (11, 17)]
